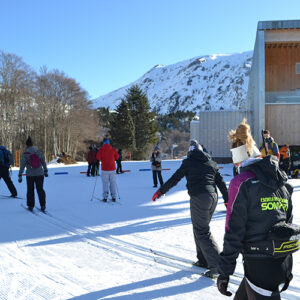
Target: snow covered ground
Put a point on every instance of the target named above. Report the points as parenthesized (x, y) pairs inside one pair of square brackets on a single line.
[(93, 250)]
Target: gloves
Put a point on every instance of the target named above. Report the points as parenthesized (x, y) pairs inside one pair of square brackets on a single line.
[(20, 178), (46, 173), (157, 195), (222, 284)]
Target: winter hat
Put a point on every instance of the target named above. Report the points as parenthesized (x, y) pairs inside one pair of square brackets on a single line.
[(29, 142), (105, 141), (156, 148), (194, 145)]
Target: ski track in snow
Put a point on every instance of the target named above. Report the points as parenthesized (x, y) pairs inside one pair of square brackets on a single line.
[(91, 250)]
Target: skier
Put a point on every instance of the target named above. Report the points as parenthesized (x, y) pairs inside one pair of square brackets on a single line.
[(6, 160), (285, 159), (259, 198), (36, 169), (92, 161), (107, 155), (203, 178), (268, 146), (119, 162), (156, 166)]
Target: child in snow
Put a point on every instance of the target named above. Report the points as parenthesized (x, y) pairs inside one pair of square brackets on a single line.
[(36, 169), (259, 200)]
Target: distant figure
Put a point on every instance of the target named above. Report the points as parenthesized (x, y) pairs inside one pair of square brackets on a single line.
[(268, 146), (156, 166), (6, 160), (285, 159), (119, 162), (92, 161), (203, 177), (107, 155), (34, 162)]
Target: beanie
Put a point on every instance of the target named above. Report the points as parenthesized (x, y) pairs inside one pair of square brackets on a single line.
[(105, 141), (194, 145), (29, 142)]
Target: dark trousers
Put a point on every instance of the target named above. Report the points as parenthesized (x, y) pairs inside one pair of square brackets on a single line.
[(4, 173), (202, 207), (38, 182), (155, 174), (285, 165), (119, 167), (91, 169), (267, 274)]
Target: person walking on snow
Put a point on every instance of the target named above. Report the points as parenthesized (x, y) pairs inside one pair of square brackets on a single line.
[(203, 178), (6, 160), (119, 162), (259, 204), (92, 161), (156, 166), (107, 155), (36, 169)]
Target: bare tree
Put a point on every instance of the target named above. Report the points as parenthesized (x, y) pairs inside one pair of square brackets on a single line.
[(49, 106)]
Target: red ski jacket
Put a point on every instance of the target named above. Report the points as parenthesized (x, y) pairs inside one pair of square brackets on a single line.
[(107, 155)]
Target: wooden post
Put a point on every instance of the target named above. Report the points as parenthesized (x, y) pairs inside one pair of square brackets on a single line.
[(18, 158)]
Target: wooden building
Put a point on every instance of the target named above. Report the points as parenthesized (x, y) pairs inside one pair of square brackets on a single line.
[(273, 98), (274, 83)]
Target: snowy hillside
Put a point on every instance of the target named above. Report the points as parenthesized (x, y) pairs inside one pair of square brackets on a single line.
[(88, 250), (211, 82)]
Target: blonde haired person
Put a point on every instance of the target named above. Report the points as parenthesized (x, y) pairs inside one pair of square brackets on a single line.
[(259, 198)]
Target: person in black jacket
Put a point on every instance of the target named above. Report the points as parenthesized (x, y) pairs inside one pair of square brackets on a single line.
[(156, 159), (119, 163), (203, 178), (6, 160), (259, 201)]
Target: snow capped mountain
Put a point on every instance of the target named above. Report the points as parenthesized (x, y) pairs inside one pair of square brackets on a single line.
[(210, 82)]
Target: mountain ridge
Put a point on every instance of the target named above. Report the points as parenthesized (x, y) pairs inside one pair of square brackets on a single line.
[(208, 82)]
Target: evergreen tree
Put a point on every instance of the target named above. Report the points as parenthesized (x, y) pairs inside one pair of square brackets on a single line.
[(121, 127), (143, 119), (104, 116)]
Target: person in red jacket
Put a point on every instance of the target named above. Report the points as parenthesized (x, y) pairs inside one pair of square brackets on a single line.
[(92, 161), (107, 155)]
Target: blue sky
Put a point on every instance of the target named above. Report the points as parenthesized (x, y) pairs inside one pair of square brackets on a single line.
[(106, 44)]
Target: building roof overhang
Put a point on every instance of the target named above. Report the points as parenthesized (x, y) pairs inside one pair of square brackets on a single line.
[(271, 25)]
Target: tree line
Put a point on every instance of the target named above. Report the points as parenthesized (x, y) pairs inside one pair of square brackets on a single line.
[(49, 106), (56, 112), (134, 127)]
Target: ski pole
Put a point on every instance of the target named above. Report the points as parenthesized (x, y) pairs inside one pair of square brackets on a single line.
[(94, 188)]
